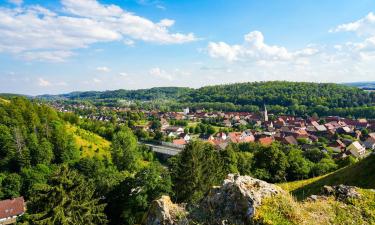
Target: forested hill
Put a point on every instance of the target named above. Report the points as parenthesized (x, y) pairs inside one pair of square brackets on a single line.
[(284, 94), (281, 97), (280, 93), (141, 94)]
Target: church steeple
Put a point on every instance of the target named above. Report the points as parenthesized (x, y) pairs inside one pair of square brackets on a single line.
[(265, 114)]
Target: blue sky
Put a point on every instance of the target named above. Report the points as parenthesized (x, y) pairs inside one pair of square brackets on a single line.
[(70, 45)]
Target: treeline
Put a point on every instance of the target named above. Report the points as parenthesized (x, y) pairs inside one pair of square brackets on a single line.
[(199, 167), (281, 97), (284, 94), (141, 94)]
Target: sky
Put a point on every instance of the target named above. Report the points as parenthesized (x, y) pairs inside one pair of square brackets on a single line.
[(59, 46)]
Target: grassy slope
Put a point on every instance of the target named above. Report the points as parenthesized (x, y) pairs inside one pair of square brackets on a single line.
[(92, 144), (4, 100), (286, 209), (361, 174)]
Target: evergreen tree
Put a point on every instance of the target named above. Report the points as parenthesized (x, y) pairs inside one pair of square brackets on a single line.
[(124, 150), (195, 170), (66, 199)]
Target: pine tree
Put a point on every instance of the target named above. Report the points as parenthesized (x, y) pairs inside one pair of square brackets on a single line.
[(66, 199)]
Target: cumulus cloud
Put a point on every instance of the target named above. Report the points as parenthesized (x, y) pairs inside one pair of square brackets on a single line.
[(43, 83), (255, 59), (254, 48), (159, 73), (364, 26), (29, 29), (103, 69)]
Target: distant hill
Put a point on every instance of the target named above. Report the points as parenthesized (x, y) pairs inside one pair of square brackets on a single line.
[(280, 97), (141, 94), (282, 93), (362, 85)]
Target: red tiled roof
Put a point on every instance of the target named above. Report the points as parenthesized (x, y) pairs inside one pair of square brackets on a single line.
[(266, 140), (12, 207), (180, 141)]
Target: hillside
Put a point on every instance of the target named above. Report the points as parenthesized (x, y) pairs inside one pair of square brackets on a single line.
[(90, 144), (4, 100), (361, 174), (141, 94), (363, 85), (281, 97), (283, 93)]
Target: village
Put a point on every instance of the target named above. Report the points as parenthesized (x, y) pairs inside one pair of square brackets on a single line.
[(340, 137)]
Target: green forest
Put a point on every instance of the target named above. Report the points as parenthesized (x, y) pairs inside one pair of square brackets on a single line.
[(281, 97)]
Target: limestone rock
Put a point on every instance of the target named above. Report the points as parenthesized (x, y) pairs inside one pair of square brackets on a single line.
[(164, 212), (341, 192), (236, 200)]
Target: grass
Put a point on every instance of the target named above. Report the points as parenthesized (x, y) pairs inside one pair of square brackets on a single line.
[(284, 209), (293, 208), (361, 174), (90, 143), (4, 101)]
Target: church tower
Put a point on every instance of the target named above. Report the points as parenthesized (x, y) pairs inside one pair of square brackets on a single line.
[(265, 114)]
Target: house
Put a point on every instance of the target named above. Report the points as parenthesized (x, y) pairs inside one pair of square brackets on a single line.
[(222, 136), (370, 143), (186, 137), (227, 123), (180, 141), (356, 149), (241, 137), (265, 141), (338, 146), (164, 123), (318, 127), (10, 209), (175, 130), (290, 140)]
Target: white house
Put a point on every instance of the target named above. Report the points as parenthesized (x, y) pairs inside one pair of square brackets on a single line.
[(356, 149)]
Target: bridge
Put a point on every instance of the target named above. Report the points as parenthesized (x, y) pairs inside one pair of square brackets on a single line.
[(165, 148)]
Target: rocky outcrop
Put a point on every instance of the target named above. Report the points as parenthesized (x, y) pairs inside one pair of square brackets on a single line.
[(234, 202), (341, 192), (164, 212)]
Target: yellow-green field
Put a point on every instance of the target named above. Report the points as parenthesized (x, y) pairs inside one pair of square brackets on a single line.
[(4, 100), (90, 143)]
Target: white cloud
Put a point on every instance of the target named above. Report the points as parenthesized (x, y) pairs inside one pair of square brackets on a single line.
[(254, 48), (363, 27), (159, 73), (34, 28), (43, 83), (51, 56), (16, 2), (123, 74), (96, 80), (129, 42), (103, 69)]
